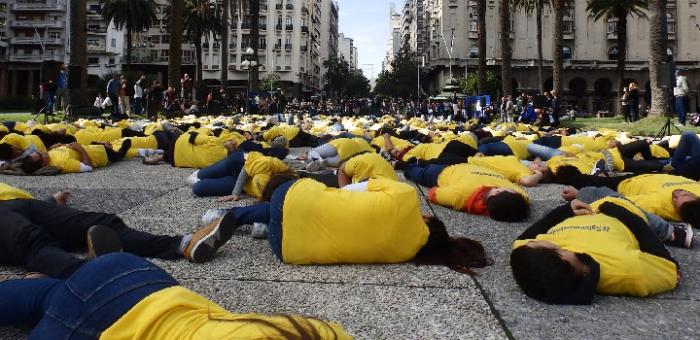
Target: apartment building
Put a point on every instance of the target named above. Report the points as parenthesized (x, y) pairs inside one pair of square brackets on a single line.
[(393, 45), (104, 43), (347, 50), (590, 48)]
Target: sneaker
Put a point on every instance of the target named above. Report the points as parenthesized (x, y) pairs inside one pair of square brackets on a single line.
[(259, 230), (598, 168), (682, 235), (315, 165), (212, 215), (102, 240), (207, 240), (193, 179)]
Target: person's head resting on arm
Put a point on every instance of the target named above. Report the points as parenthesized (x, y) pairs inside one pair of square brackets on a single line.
[(35, 161), (688, 206), (506, 205)]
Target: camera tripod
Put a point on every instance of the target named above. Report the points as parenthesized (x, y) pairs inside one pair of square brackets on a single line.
[(668, 127)]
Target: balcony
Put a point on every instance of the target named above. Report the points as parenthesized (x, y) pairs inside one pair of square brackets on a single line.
[(305, 48), (277, 47), (39, 7), (288, 47), (263, 27), (37, 24), (289, 7), (278, 7), (100, 31), (36, 58), (304, 10), (304, 29), (278, 27), (96, 49), (35, 41), (289, 27)]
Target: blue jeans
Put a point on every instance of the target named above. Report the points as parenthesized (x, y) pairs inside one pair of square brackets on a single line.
[(688, 147), (138, 105), (680, 109), (219, 178), (427, 176), (495, 149), (85, 304), (274, 228), (49, 102), (543, 152)]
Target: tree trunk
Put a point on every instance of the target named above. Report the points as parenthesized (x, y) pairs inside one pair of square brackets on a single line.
[(78, 52), (540, 58), (506, 53), (254, 11), (128, 46), (226, 4), (198, 61), (622, 56), (482, 46), (658, 33), (177, 23), (558, 39)]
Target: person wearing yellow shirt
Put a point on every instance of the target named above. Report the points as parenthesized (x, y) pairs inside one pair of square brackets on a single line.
[(295, 136), (123, 296), (191, 150), (381, 223), (450, 152), (512, 168), (74, 158), (20, 143), (508, 146), (579, 249), (364, 166), (473, 189), (335, 152)]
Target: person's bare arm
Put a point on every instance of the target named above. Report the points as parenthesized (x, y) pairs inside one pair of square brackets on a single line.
[(388, 145), (531, 180), (82, 154), (343, 178)]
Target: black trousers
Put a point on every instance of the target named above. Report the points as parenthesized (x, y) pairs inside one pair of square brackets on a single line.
[(649, 164), (303, 139), (455, 152), (39, 236)]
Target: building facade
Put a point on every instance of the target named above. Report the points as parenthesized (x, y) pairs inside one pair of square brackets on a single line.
[(590, 48), (393, 45), (347, 50)]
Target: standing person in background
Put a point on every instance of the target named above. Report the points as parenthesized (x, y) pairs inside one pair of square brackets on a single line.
[(186, 87), (510, 108), (113, 87), (455, 104), (138, 95), (633, 101), (681, 92), (155, 98), (124, 106), (50, 91), (625, 105), (61, 86), (555, 108)]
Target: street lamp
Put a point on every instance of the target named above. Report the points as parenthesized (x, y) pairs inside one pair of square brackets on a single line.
[(247, 64)]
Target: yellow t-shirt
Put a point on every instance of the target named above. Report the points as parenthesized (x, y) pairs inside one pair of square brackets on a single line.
[(90, 135), (178, 313), (426, 151), (517, 146), (584, 143), (287, 131), (260, 169), (10, 193), (23, 142), (458, 182), (654, 193), (583, 162), (369, 165), (624, 269), (508, 166), (381, 225), (659, 152), (68, 160), (137, 143), (398, 143), (347, 147), (206, 151)]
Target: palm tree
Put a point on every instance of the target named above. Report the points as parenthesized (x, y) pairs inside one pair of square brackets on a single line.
[(506, 49), (481, 12), (135, 15), (658, 34), (536, 6), (225, 15), (177, 23), (78, 51), (201, 19), (620, 9), (558, 43)]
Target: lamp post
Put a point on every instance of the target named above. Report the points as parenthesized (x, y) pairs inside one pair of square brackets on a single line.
[(247, 64)]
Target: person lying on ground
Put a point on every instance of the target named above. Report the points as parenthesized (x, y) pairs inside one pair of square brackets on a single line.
[(578, 250), (74, 158), (686, 158), (473, 189), (190, 149), (335, 152), (123, 296), (362, 167), (512, 168), (381, 223)]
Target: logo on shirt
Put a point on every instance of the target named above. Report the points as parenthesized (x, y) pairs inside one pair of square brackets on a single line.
[(596, 228)]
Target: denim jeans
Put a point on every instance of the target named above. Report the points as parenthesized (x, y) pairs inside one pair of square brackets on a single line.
[(495, 149), (138, 105), (658, 225), (85, 304), (274, 228), (219, 179), (543, 152), (426, 176), (680, 109), (49, 102), (689, 146)]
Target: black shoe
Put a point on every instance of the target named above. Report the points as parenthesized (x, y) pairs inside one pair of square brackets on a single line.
[(102, 240), (683, 235), (126, 145)]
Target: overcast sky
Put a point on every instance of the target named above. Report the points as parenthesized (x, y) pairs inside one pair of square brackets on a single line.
[(367, 22)]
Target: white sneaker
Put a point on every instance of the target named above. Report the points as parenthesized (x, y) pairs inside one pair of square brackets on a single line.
[(193, 179), (315, 165), (259, 230), (212, 215)]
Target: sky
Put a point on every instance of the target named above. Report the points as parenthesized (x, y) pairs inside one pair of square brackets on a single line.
[(367, 22)]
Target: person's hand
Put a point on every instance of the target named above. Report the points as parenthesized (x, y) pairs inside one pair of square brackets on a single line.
[(229, 198), (569, 194), (62, 197), (74, 146), (581, 208)]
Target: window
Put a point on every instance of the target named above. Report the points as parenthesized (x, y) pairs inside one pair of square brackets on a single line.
[(93, 61), (612, 26), (2, 22), (263, 42), (566, 52), (93, 42), (671, 19), (568, 22), (613, 53), (54, 35), (473, 23), (3, 7), (114, 42), (165, 39), (111, 61), (474, 52)]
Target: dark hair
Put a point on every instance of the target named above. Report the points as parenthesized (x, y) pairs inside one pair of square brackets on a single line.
[(542, 274), (5, 151), (459, 254), (508, 207), (565, 174), (302, 328), (690, 212), (274, 183), (30, 166)]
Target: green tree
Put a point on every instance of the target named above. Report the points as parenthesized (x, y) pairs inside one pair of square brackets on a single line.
[(134, 15), (338, 71), (177, 23), (357, 85), (78, 50), (268, 83), (506, 49), (202, 18), (658, 45), (620, 9), (537, 7), (402, 80), (470, 84)]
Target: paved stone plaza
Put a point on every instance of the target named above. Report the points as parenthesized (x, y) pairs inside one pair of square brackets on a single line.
[(373, 301)]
